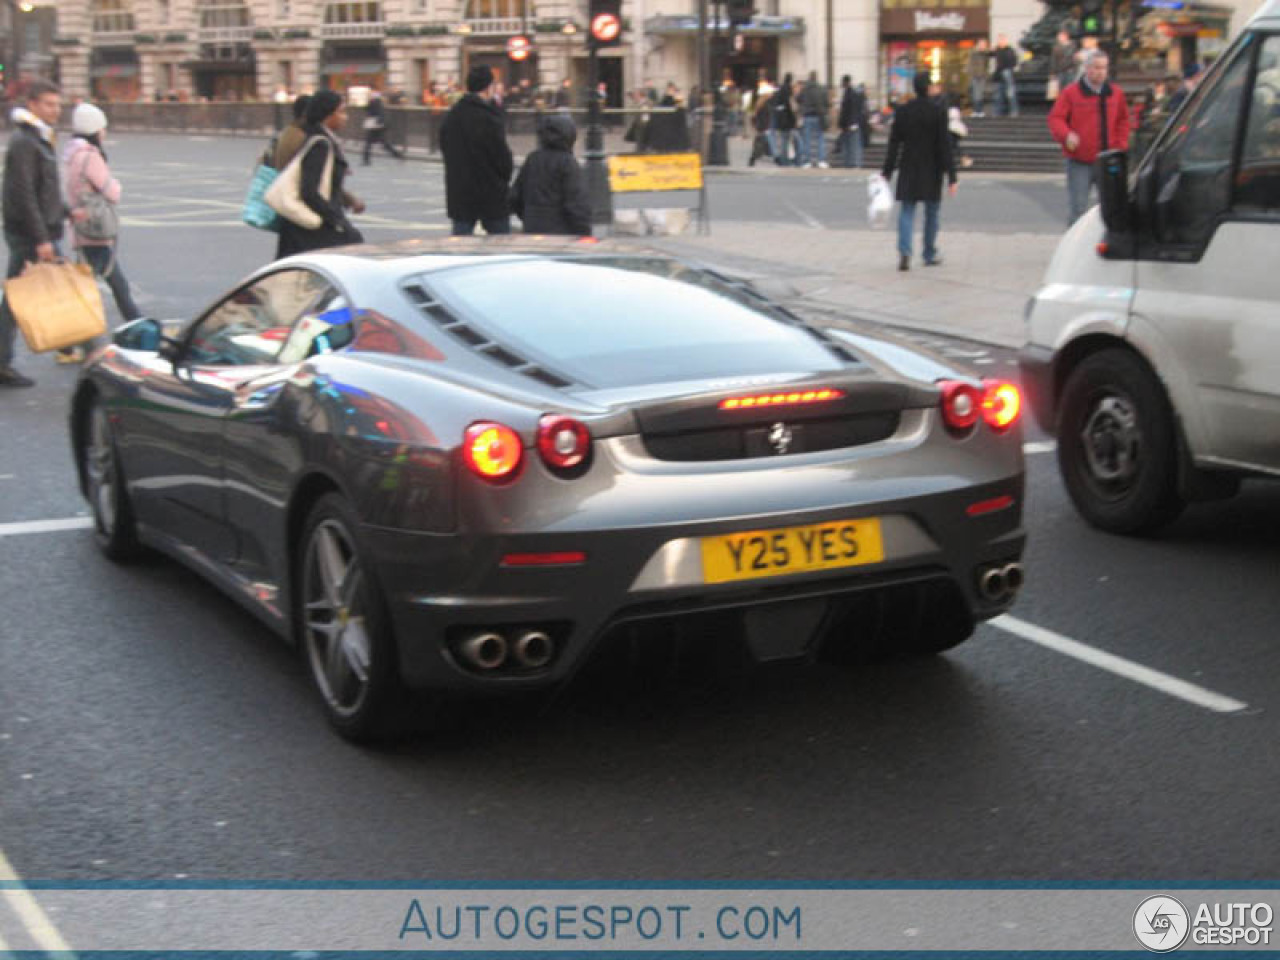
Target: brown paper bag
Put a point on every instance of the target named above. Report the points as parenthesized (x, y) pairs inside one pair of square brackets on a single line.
[(56, 305)]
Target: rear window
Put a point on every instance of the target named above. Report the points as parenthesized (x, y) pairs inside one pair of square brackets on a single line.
[(619, 322)]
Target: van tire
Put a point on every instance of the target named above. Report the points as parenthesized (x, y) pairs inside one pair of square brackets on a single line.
[(1117, 444)]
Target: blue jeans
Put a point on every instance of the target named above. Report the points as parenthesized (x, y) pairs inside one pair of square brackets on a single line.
[(978, 94), (100, 259), (1080, 178), (465, 228), (851, 147), (906, 225), (779, 145), (815, 140), (1008, 93)]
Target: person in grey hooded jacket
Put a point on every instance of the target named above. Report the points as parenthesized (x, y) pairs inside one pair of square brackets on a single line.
[(550, 193)]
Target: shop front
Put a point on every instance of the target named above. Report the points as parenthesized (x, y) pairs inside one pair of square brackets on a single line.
[(115, 75), (1179, 32), (233, 80), (344, 66), (936, 40)]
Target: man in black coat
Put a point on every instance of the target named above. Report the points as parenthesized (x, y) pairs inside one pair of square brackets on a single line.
[(852, 121), (920, 135), (34, 211), (477, 159)]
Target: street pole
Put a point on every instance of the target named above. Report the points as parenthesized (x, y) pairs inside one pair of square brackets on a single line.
[(704, 78), (593, 152), (718, 150)]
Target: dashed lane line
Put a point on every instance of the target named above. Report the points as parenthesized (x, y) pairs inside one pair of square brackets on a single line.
[(1040, 446), (37, 923), (808, 218), (1137, 672), (45, 526)]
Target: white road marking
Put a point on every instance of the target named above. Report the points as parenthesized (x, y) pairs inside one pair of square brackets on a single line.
[(28, 911), (1121, 667), (1040, 446), (809, 219), (45, 526)]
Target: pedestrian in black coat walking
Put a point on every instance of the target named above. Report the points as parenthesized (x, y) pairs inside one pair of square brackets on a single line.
[(477, 159), (920, 136), (550, 195), (375, 128)]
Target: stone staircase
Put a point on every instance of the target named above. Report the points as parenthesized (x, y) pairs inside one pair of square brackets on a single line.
[(997, 144)]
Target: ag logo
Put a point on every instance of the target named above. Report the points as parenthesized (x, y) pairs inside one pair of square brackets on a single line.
[(1161, 924)]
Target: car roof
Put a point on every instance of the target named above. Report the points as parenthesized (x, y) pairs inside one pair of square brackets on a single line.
[(424, 255), (1269, 11)]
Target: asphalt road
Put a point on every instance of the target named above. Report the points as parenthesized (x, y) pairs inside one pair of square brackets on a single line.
[(150, 730)]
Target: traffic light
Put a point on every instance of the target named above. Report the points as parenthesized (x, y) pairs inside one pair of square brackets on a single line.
[(741, 12), (605, 24)]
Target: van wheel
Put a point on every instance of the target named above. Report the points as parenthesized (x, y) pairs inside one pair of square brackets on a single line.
[(1117, 448)]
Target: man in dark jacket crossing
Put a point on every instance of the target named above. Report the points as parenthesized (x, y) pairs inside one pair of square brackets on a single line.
[(477, 159), (34, 211), (920, 135), (550, 195)]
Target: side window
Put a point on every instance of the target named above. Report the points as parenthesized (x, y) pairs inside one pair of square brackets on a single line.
[(326, 326), (250, 326), (1257, 188), (1193, 173)]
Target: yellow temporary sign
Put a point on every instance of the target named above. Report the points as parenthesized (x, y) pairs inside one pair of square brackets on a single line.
[(639, 172)]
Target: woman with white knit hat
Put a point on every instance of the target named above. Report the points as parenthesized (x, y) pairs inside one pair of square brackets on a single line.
[(85, 171)]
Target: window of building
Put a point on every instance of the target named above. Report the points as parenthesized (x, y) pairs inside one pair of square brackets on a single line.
[(162, 12), (283, 11), (353, 11), (223, 13), (112, 16), (494, 9)]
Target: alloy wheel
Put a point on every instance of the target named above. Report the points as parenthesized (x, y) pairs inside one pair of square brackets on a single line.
[(335, 618), (100, 471)]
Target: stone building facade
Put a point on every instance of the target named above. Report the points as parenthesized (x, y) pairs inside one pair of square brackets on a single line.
[(257, 49)]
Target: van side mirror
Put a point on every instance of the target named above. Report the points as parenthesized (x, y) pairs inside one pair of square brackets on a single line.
[(1113, 191)]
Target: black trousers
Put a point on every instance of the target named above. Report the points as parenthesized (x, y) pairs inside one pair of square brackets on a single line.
[(378, 135)]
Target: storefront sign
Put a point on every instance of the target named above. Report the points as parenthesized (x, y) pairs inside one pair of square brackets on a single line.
[(935, 21)]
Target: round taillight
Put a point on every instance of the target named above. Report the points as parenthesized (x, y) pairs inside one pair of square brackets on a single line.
[(563, 441), (961, 404), (1001, 404), (492, 451)]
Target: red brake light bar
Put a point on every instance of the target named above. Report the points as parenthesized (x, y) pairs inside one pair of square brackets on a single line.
[(781, 399), (551, 559)]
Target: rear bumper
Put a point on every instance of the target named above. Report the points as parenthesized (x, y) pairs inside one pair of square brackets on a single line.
[(1036, 366), (442, 588)]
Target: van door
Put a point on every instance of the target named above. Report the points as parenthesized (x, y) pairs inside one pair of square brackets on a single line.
[(1210, 280)]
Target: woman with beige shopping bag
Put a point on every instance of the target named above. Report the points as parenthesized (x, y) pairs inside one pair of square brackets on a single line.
[(309, 194), (92, 194)]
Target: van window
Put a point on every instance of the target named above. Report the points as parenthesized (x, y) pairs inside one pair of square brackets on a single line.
[(1258, 182), (1193, 172)]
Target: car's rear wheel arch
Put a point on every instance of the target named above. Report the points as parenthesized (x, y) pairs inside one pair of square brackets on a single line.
[(81, 404)]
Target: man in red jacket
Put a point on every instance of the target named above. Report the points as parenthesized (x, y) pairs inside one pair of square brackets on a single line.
[(1090, 116)]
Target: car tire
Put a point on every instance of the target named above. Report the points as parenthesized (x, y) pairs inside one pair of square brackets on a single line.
[(343, 627), (1117, 444), (113, 521)]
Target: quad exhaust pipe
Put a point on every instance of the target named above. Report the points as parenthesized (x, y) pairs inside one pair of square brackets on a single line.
[(489, 650), (1000, 584), (486, 651), (532, 649)]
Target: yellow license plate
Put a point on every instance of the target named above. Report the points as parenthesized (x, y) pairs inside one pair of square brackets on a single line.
[(772, 553)]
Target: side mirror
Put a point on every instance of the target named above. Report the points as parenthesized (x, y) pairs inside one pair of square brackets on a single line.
[(141, 334), (1113, 191)]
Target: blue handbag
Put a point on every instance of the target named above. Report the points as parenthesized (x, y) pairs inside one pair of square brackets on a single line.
[(255, 212)]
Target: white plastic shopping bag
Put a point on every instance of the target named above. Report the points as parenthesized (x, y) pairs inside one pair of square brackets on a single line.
[(879, 200)]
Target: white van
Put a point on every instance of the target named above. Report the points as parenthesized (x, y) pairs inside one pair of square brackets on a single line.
[(1153, 346)]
